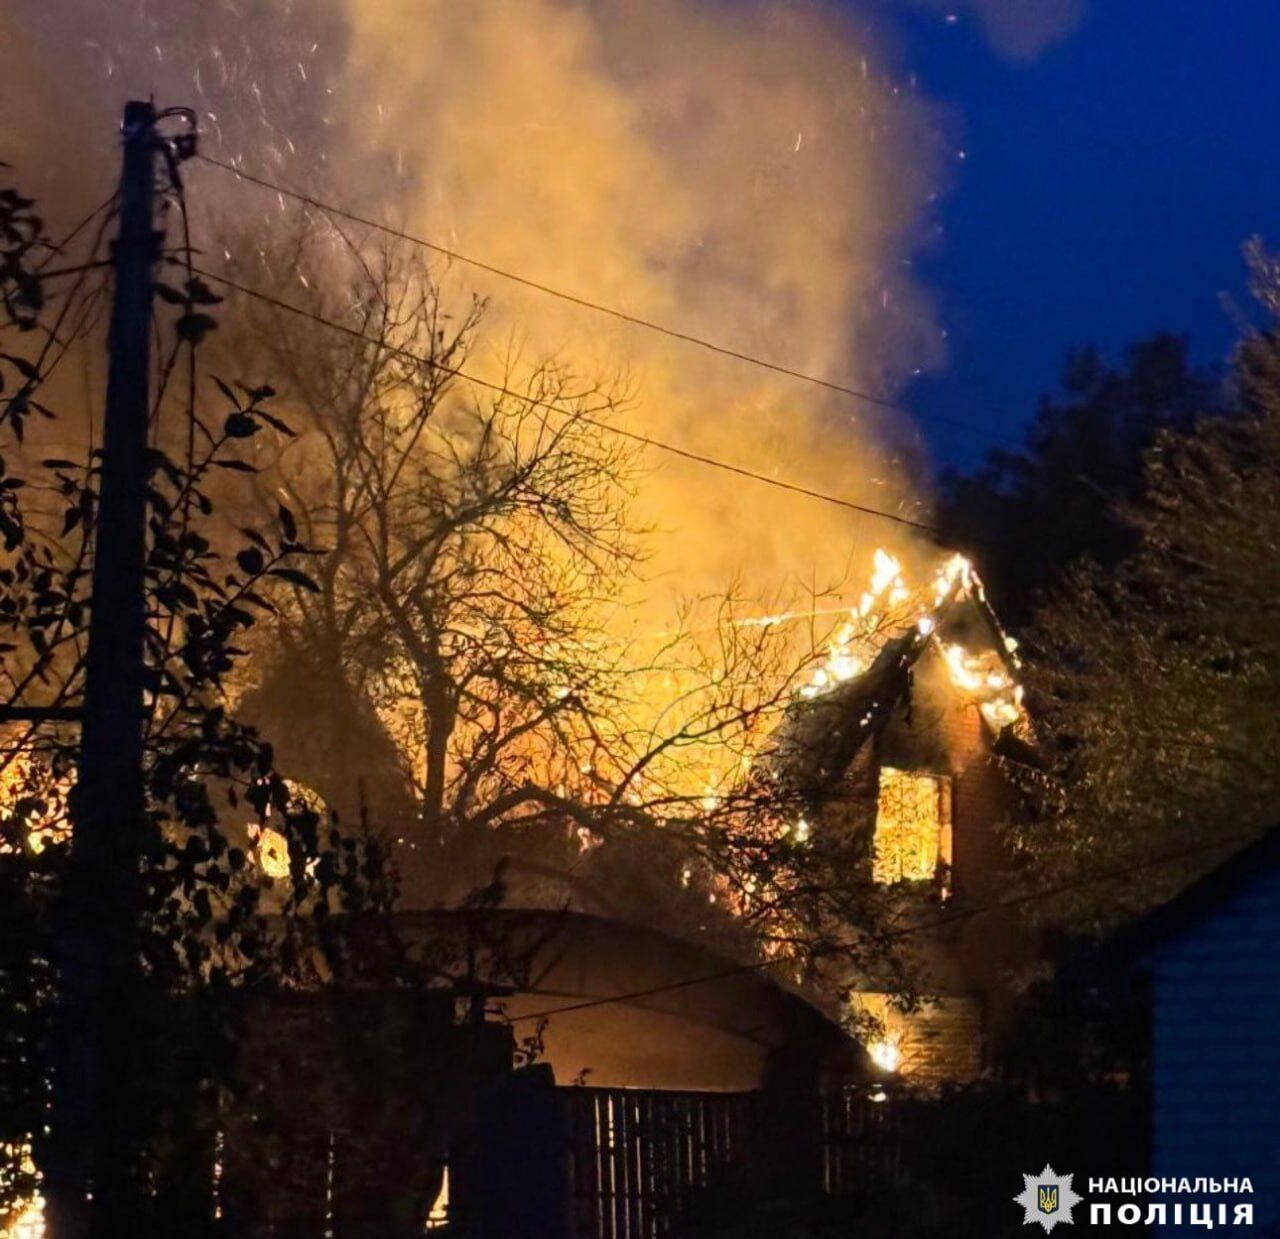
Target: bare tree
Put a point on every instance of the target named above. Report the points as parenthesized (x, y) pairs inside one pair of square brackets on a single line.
[(470, 617)]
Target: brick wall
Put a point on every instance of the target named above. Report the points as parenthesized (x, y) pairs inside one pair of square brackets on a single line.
[(940, 1041), (969, 961), (1216, 1047), (946, 733), (943, 1041)]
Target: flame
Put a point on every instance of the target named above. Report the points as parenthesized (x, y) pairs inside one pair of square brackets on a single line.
[(24, 778), (27, 1222), (27, 1219), (731, 178), (438, 1217), (886, 1054), (272, 852), (890, 606), (887, 572)]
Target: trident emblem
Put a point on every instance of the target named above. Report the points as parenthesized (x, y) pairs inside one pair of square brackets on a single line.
[(1047, 1198)]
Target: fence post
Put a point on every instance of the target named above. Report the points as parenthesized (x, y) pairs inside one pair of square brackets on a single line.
[(523, 1158), (789, 1149)]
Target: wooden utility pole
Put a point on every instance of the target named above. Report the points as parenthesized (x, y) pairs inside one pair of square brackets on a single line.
[(93, 1129)]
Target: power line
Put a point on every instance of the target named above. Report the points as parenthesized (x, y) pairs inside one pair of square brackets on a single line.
[(60, 247), (965, 914), (647, 440), (58, 272), (635, 320)]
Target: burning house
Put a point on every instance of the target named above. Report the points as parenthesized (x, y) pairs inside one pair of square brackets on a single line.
[(894, 746), (899, 739)]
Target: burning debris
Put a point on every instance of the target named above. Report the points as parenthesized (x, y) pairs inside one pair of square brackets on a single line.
[(26, 1219)]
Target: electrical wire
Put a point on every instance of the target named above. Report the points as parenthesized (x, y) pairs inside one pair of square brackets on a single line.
[(647, 440), (60, 246), (699, 458), (635, 320), (57, 272), (925, 927)]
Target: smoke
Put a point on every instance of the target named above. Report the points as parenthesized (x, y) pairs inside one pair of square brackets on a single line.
[(749, 172), (1017, 29)]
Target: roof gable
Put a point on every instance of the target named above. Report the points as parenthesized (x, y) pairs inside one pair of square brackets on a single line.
[(870, 663)]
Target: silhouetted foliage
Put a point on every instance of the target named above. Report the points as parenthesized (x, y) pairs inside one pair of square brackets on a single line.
[(1156, 681), (472, 641), (217, 916), (1026, 516)]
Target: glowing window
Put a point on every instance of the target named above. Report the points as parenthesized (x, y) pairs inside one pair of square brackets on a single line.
[(272, 852), (438, 1218), (913, 826)]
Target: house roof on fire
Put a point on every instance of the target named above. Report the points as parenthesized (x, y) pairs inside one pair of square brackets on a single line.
[(828, 724)]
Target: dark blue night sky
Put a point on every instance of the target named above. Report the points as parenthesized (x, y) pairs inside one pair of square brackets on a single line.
[(1106, 192)]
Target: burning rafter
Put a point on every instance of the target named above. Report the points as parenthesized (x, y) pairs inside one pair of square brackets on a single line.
[(889, 607)]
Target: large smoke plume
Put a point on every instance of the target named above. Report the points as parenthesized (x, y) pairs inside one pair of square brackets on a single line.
[(749, 172)]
